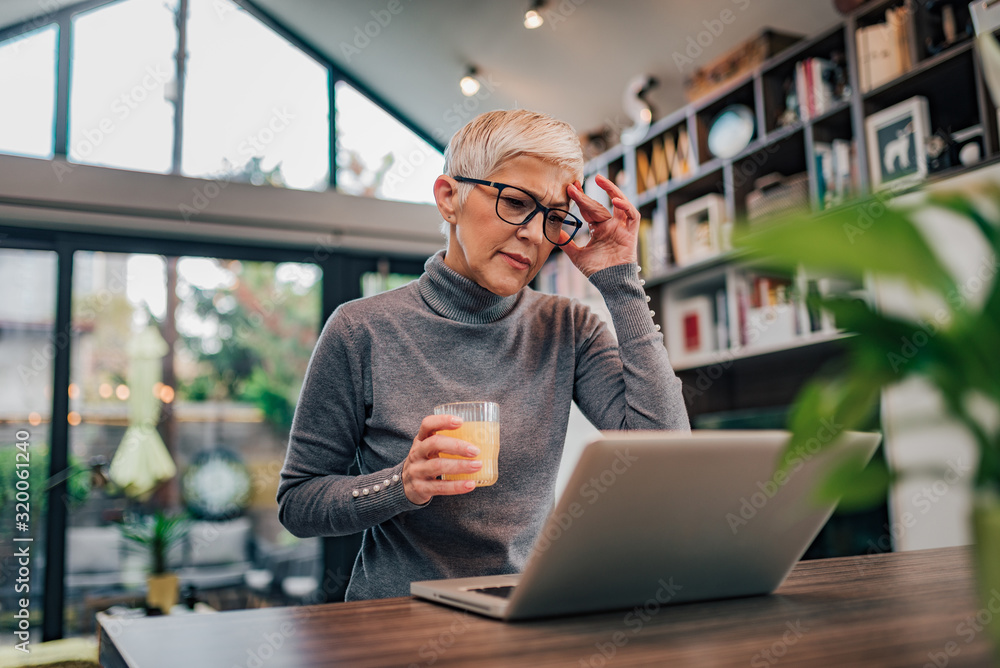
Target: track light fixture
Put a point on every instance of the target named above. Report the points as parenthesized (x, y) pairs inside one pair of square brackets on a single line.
[(533, 17), (469, 83)]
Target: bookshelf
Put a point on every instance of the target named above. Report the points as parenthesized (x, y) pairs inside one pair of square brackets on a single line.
[(740, 339)]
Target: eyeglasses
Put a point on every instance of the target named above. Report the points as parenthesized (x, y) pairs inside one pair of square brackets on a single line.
[(517, 207)]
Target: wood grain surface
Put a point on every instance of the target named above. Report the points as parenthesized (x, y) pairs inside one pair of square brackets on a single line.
[(905, 609)]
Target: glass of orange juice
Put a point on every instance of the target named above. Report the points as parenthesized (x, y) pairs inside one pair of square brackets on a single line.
[(481, 427)]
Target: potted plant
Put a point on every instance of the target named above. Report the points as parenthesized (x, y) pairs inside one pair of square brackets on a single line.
[(958, 356), (157, 535)]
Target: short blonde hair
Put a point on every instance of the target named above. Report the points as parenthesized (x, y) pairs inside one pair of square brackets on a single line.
[(491, 139)]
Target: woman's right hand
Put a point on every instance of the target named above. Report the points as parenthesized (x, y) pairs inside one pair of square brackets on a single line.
[(423, 466)]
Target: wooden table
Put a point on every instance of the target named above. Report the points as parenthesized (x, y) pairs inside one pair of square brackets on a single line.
[(905, 609)]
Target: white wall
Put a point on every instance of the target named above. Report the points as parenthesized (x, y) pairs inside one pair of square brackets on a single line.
[(932, 509)]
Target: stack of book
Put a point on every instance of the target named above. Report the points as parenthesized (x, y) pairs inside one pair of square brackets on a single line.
[(836, 174), (884, 48), (814, 86), (665, 157)]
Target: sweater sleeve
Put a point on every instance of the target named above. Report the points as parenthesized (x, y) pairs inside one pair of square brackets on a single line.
[(630, 384), (316, 496)]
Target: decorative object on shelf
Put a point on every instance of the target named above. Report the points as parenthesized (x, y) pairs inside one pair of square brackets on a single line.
[(897, 143), (954, 350), (216, 486), (942, 151), (732, 131), (985, 16), (698, 224), (884, 48), (776, 193), (158, 536), (945, 23), (732, 64), (970, 153), (637, 108), (691, 329)]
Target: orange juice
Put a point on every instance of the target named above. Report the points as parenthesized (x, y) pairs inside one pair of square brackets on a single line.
[(486, 437)]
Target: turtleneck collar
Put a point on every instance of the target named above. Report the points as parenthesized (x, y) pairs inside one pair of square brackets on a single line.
[(453, 296)]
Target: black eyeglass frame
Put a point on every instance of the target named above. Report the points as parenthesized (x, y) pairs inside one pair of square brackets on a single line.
[(570, 218)]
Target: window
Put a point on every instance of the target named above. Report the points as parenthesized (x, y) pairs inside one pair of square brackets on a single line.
[(123, 82), (27, 348), (28, 85), (379, 157), (230, 343), (256, 107)]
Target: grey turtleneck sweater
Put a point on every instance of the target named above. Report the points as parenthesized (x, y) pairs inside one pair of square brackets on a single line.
[(383, 363)]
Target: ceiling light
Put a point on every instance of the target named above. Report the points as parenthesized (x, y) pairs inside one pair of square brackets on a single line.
[(533, 18), (469, 83)]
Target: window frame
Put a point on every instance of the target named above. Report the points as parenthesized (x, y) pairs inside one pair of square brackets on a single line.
[(63, 17), (341, 282)]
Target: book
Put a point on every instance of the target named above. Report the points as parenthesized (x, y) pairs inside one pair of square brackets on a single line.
[(641, 171), (659, 255), (884, 49), (658, 163), (682, 157), (669, 154)]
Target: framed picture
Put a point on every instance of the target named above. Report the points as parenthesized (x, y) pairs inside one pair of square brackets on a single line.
[(897, 143), (698, 224)]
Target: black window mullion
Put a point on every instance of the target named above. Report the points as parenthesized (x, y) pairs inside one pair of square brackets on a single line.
[(63, 73), (55, 529)]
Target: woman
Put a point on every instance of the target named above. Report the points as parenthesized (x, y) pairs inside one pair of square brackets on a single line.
[(471, 329)]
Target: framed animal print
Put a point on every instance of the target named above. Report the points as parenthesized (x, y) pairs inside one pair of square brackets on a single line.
[(897, 144)]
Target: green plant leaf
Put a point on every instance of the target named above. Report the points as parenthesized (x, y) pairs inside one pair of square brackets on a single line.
[(851, 241), (856, 485)]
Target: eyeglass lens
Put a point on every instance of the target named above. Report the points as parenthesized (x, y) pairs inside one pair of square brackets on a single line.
[(516, 207)]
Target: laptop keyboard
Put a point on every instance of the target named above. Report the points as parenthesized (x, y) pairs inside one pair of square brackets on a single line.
[(501, 592)]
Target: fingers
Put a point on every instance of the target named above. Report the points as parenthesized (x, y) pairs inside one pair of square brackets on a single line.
[(591, 210), (595, 213), (432, 456)]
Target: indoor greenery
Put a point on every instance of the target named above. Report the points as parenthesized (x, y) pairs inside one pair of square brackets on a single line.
[(952, 342), (953, 345), (157, 535)]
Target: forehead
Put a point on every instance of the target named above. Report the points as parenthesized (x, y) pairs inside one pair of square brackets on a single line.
[(546, 181)]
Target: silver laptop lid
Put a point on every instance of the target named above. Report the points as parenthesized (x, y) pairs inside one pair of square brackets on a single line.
[(675, 517)]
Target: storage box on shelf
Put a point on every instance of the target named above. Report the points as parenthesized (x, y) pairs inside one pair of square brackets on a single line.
[(808, 108)]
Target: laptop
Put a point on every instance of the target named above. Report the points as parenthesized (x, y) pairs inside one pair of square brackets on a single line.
[(668, 517)]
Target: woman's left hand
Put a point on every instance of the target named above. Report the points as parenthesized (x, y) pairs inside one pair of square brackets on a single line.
[(613, 236)]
